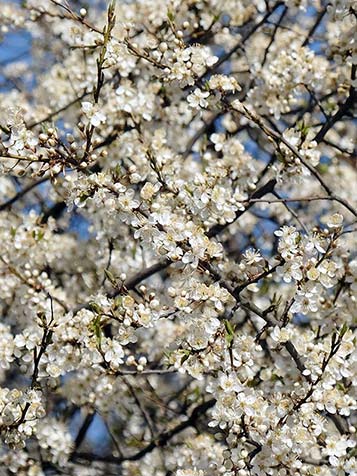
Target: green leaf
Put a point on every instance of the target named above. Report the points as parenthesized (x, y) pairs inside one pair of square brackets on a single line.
[(343, 330), (118, 302), (97, 329), (323, 168), (83, 197), (40, 235), (303, 128), (93, 306), (229, 332), (186, 355), (229, 327), (111, 277)]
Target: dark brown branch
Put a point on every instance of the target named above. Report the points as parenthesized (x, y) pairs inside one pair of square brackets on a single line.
[(279, 138), (22, 192), (159, 442), (314, 27), (264, 190), (242, 41), (83, 430), (342, 111), (277, 25)]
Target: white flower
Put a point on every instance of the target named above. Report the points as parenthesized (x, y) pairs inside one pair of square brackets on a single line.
[(113, 353), (53, 370), (313, 274), (95, 116), (127, 202), (334, 221), (288, 243), (252, 257), (7, 347), (307, 298), (190, 472), (55, 440), (336, 448), (218, 140), (149, 190), (224, 83), (281, 335), (198, 99)]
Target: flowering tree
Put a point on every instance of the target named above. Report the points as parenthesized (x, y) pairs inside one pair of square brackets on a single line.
[(177, 224)]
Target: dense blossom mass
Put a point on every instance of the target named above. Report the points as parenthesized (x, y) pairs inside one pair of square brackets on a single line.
[(178, 227)]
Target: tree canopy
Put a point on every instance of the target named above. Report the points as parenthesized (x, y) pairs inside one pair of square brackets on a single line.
[(178, 266)]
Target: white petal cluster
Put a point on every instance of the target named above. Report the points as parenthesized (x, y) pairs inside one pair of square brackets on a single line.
[(55, 441)]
